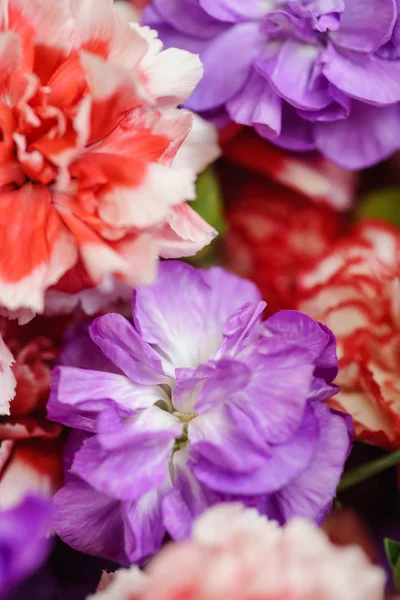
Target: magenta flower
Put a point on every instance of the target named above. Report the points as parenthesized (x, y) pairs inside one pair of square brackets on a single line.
[(197, 402), (306, 74)]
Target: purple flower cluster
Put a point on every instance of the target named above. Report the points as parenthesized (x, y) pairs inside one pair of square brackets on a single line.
[(306, 74), (197, 402), (23, 542)]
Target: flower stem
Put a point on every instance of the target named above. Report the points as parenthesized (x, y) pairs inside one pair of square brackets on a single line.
[(368, 470)]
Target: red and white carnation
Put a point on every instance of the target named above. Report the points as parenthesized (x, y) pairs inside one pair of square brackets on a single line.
[(313, 176), (90, 130), (274, 233), (355, 290), (30, 446)]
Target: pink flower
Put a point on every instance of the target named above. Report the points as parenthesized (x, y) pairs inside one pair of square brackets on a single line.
[(355, 291), (235, 553), (90, 130)]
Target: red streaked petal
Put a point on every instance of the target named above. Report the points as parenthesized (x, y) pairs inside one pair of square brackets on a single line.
[(184, 234), (317, 179), (35, 247), (35, 466), (114, 91)]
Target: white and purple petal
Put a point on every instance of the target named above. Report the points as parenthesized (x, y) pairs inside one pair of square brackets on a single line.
[(280, 383), (125, 460), (170, 314), (292, 70), (208, 385), (125, 348), (77, 396), (185, 500), (144, 528), (257, 104), (217, 435), (286, 462), (229, 294)]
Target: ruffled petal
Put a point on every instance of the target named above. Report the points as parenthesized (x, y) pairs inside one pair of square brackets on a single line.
[(314, 177), (217, 435), (144, 529), (79, 395), (299, 329), (208, 385), (122, 202), (296, 133), (366, 26), (186, 500), (217, 87), (170, 75), (240, 329), (280, 383), (200, 147), (286, 462), (311, 494), (233, 11), (126, 349), (49, 249), (171, 313), (257, 104), (369, 135), (77, 503), (291, 71), (229, 293), (363, 76), (142, 445), (194, 22), (184, 234)]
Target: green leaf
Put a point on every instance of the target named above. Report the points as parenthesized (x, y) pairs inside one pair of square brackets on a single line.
[(381, 204), (392, 549), (209, 205), (208, 201), (337, 504)]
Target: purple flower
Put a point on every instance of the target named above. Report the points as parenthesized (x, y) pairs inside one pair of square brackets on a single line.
[(23, 545), (197, 402), (306, 74)]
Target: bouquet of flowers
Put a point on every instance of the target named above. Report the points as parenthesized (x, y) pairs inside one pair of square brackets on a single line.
[(199, 299)]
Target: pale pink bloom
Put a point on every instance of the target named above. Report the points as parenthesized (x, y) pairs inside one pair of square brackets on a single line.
[(235, 553), (355, 291), (90, 129)]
